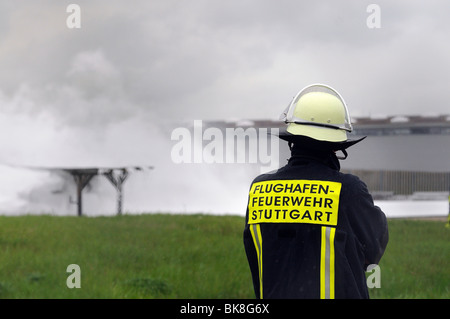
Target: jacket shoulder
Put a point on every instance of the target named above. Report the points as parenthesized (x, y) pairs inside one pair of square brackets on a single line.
[(266, 176), (352, 182)]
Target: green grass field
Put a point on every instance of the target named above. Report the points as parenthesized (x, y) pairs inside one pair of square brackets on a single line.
[(184, 256)]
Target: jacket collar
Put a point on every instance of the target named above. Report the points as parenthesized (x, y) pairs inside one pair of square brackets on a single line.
[(300, 155)]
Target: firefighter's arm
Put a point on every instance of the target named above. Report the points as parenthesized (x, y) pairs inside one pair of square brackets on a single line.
[(369, 224)]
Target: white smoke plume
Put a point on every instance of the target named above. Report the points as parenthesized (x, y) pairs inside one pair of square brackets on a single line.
[(89, 121)]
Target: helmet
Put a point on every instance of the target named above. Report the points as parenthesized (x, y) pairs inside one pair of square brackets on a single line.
[(318, 112), (318, 116)]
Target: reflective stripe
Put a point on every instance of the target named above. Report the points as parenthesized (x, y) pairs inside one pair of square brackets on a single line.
[(255, 229), (327, 263)]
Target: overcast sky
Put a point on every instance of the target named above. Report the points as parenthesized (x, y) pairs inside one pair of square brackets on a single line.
[(134, 66), (206, 59), (105, 93)]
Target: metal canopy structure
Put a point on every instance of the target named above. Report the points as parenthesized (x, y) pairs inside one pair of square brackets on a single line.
[(116, 175), (83, 176)]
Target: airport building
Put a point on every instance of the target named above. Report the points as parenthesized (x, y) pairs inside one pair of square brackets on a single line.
[(403, 157)]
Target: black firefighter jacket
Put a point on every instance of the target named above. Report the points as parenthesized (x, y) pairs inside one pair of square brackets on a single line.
[(311, 231)]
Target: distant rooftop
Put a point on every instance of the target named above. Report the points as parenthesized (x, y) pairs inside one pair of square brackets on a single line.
[(379, 125), (402, 125)]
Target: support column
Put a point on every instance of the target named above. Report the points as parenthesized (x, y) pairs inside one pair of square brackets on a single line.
[(117, 181), (82, 180)]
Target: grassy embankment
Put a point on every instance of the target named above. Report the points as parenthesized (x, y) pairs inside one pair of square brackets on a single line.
[(183, 256)]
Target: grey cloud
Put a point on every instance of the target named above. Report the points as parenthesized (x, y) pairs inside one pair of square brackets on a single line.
[(215, 59), (99, 95)]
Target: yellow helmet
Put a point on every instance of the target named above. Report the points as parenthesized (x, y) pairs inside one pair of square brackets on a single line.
[(318, 112)]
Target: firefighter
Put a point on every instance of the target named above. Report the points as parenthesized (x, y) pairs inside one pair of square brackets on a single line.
[(312, 231)]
